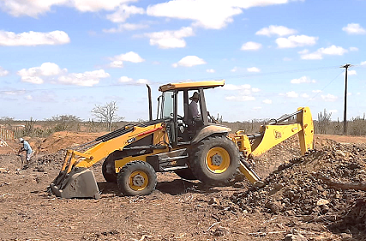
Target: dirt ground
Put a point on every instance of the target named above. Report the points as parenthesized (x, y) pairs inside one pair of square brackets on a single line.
[(296, 202)]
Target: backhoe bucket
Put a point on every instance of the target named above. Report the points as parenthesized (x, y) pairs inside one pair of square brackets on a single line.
[(79, 183)]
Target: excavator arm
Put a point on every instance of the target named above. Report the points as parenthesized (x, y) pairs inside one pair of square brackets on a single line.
[(273, 133)]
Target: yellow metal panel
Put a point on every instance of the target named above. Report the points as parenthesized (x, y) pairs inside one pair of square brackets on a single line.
[(248, 174), (275, 134), (103, 149), (306, 135), (188, 85)]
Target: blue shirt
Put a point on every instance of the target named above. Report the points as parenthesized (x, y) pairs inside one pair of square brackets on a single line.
[(27, 147)]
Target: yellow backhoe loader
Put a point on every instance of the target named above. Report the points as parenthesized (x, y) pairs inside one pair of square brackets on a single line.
[(195, 148)]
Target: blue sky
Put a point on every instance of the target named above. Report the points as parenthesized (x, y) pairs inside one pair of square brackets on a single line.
[(63, 57)]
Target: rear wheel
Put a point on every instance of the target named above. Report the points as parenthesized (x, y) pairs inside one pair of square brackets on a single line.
[(214, 160), (137, 178), (185, 174)]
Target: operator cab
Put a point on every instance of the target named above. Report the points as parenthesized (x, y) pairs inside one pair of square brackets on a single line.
[(173, 106)]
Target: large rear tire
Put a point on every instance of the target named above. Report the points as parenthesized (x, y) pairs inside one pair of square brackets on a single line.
[(185, 174), (215, 160), (136, 178)]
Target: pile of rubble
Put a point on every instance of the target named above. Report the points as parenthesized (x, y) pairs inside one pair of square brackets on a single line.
[(319, 187)]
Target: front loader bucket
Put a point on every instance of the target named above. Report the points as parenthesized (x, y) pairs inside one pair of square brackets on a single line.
[(80, 182)]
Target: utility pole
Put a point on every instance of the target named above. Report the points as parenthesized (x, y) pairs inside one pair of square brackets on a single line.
[(346, 66)]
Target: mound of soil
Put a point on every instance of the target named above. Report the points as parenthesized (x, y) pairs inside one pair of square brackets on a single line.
[(297, 188)]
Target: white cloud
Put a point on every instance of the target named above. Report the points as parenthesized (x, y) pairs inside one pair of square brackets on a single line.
[(34, 8), (253, 69), (237, 87), (205, 13), (294, 41), (189, 61), (52, 73), (303, 79), (257, 108), (363, 63), (353, 49), (306, 96), (333, 111), (276, 30), (354, 28), (329, 98), (332, 50), (33, 38), (88, 78), (234, 69), (130, 81), (124, 12), (142, 81), (170, 39), (240, 98), (35, 75), (126, 27), (244, 92), (292, 94), (352, 72), (267, 101), (125, 79), (117, 61), (210, 71), (251, 46), (316, 91), (3, 72)]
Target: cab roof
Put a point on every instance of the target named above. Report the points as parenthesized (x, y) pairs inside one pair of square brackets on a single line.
[(192, 85)]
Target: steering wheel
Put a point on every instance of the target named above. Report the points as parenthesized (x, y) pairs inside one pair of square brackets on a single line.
[(178, 116)]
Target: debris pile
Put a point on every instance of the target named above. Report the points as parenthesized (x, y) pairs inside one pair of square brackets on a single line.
[(303, 186)]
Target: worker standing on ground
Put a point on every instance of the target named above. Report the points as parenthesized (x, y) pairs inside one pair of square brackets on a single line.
[(27, 148)]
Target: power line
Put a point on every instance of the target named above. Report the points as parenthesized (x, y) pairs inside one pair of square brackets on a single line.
[(326, 86)]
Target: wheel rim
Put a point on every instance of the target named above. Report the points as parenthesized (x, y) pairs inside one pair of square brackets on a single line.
[(217, 160), (138, 180)]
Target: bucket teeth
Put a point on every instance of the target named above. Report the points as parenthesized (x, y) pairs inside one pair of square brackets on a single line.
[(79, 183)]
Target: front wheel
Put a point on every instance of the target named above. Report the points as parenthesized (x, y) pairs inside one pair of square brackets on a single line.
[(214, 160), (137, 178)]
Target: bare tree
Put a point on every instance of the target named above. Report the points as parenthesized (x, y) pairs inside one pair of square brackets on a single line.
[(107, 113)]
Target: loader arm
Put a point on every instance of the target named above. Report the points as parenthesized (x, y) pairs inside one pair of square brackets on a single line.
[(102, 149), (76, 180), (270, 135)]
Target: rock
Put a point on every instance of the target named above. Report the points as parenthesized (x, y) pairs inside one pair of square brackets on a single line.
[(238, 185), (346, 237), (341, 153), (213, 201), (275, 207), (221, 231), (322, 202), (295, 237)]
